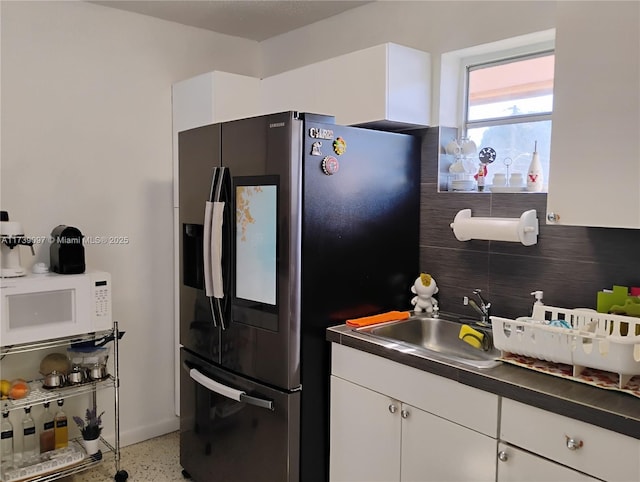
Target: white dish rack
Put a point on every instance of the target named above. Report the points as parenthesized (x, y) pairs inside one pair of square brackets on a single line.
[(595, 340)]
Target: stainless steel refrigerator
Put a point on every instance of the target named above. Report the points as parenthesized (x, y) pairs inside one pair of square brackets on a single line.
[(290, 224)]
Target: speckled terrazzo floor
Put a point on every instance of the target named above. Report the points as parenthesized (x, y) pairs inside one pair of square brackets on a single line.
[(154, 460)]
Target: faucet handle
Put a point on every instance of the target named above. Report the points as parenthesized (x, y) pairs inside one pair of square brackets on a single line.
[(478, 293)]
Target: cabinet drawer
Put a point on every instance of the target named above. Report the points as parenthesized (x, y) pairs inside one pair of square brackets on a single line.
[(601, 453), (516, 465), (434, 394)]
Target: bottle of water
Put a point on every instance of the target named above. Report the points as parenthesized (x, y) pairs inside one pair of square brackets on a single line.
[(28, 436), (6, 446)]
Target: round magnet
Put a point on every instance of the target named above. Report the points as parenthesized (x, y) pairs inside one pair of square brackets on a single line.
[(330, 165), (339, 146)]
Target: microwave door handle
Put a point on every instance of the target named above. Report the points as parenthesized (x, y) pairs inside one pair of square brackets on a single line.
[(226, 391)]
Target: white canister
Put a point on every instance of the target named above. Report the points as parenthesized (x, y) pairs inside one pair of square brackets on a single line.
[(499, 179), (516, 179)]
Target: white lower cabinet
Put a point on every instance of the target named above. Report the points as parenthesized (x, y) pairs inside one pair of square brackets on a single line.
[(365, 435), (578, 448), (435, 449), (377, 435), (517, 465)]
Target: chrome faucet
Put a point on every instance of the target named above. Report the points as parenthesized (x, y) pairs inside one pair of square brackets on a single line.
[(482, 309)]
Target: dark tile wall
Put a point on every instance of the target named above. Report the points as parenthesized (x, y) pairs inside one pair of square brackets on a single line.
[(570, 264)]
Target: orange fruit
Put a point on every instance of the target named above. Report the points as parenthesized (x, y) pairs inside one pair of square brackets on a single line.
[(19, 389)]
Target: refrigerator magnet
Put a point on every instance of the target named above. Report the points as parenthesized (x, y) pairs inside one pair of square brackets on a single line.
[(330, 165), (315, 148), (339, 146), (318, 133)]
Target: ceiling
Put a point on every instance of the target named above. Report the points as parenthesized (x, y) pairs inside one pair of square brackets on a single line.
[(255, 20)]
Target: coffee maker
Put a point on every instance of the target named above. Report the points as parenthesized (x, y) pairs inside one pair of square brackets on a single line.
[(12, 236)]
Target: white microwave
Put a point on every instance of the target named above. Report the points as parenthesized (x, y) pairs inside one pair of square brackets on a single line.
[(44, 306)]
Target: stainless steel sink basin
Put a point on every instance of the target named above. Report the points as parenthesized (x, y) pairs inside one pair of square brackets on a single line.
[(433, 338)]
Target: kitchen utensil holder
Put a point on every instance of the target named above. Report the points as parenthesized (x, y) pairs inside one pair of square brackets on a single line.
[(595, 340), (523, 229)]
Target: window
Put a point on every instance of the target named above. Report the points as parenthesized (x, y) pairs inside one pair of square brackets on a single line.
[(509, 104)]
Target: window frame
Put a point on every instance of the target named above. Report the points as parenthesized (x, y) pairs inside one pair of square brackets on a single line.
[(471, 64)]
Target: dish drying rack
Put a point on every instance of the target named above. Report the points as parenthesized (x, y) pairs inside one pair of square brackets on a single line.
[(595, 340)]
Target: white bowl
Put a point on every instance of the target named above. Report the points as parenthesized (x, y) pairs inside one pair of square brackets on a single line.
[(463, 185)]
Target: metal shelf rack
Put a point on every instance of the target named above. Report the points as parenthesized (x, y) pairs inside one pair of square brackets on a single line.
[(38, 395)]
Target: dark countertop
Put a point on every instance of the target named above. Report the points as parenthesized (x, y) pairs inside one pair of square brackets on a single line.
[(612, 410)]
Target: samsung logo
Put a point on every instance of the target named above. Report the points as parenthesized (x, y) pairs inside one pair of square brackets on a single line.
[(276, 124)]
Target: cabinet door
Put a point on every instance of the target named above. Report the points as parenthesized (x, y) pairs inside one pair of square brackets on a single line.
[(365, 434), (515, 465), (435, 449), (594, 175)]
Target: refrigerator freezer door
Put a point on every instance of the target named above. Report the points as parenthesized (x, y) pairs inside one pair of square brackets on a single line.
[(235, 429)]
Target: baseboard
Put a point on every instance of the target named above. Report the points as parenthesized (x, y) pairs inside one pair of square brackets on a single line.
[(130, 436)]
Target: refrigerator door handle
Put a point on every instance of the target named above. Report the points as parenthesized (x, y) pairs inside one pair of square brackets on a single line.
[(216, 249), (226, 391), (219, 204), (206, 248)]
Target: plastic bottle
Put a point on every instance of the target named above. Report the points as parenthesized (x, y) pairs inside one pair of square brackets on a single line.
[(61, 430), (6, 441), (535, 176), (28, 436), (47, 431)]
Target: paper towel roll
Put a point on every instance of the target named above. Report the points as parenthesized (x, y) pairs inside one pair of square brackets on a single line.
[(523, 229)]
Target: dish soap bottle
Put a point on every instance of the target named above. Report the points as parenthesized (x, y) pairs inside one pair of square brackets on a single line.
[(28, 436), (61, 431), (535, 178), (47, 434), (6, 445)]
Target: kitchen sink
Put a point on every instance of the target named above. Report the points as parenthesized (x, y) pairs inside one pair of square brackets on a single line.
[(434, 337)]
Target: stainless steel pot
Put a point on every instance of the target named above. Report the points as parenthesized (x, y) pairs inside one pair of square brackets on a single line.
[(54, 379), (98, 371), (77, 375)]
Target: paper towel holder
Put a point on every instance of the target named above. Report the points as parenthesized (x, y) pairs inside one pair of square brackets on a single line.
[(523, 229)]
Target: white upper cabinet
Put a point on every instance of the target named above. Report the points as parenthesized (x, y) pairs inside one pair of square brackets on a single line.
[(214, 97), (388, 84), (594, 175), (207, 99)]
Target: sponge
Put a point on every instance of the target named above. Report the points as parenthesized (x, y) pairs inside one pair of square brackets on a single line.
[(473, 337)]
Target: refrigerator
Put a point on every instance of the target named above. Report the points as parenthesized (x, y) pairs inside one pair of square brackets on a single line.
[(289, 224)]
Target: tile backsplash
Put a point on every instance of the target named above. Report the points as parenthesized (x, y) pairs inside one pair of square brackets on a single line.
[(569, 263)]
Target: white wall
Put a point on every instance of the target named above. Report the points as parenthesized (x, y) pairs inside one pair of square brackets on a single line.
[(87, 141)]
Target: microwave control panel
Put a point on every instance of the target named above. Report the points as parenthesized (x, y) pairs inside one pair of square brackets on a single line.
[(102, 298)]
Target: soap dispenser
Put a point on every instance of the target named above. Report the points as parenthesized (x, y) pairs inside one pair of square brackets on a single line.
[(535, 178), (538, 296)]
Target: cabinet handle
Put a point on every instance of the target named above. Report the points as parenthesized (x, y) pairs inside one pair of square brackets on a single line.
[(503, 456), (393, 408), (404, 413), (573, 444)]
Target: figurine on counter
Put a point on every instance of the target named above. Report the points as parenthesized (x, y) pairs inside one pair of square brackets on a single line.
[(424, 287)]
